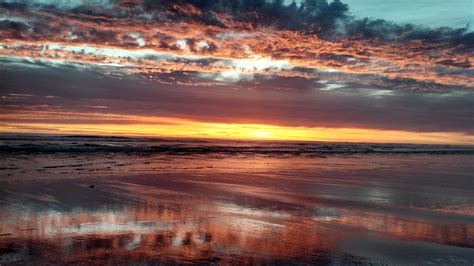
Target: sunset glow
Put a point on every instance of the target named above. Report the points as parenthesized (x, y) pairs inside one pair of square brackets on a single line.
[(175, 127), (236, 132), (230, 74)]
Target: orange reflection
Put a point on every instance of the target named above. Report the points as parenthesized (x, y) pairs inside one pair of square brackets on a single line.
[(278, 211), (217, 231)]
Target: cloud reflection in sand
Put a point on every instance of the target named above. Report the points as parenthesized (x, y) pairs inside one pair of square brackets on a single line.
[(230, 208)]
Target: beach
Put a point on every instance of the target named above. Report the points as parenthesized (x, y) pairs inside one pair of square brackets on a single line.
[(234, 203)]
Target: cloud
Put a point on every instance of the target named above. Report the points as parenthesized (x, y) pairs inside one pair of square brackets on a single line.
[(229, 76), (278, 101), (320, 37), (309, 64), (383, 30), (140, 41), (326, 19), (245, 69), (61, 4)]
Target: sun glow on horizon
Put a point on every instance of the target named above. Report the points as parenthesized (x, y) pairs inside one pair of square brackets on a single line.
[(261, 134), (127, 125)]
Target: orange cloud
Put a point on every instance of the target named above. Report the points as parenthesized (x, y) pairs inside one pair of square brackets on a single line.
[(111, 40)]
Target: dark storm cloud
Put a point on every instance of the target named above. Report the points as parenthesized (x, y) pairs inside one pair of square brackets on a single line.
[(327, 19), (312, 15), (383, 30), (13, 29)]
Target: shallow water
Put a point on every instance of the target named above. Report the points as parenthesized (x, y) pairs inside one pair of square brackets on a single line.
[(400, 206)]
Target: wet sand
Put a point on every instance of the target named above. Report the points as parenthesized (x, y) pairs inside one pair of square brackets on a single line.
[(338, 209)]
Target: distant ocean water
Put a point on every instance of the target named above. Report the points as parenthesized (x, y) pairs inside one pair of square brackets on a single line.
[(100, 144)]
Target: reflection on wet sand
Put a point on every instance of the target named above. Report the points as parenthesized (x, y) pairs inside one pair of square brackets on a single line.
[(222, 232), (329, 217)]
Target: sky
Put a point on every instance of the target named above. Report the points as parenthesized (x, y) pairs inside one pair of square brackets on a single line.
[(431, 13), (315, 70)]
